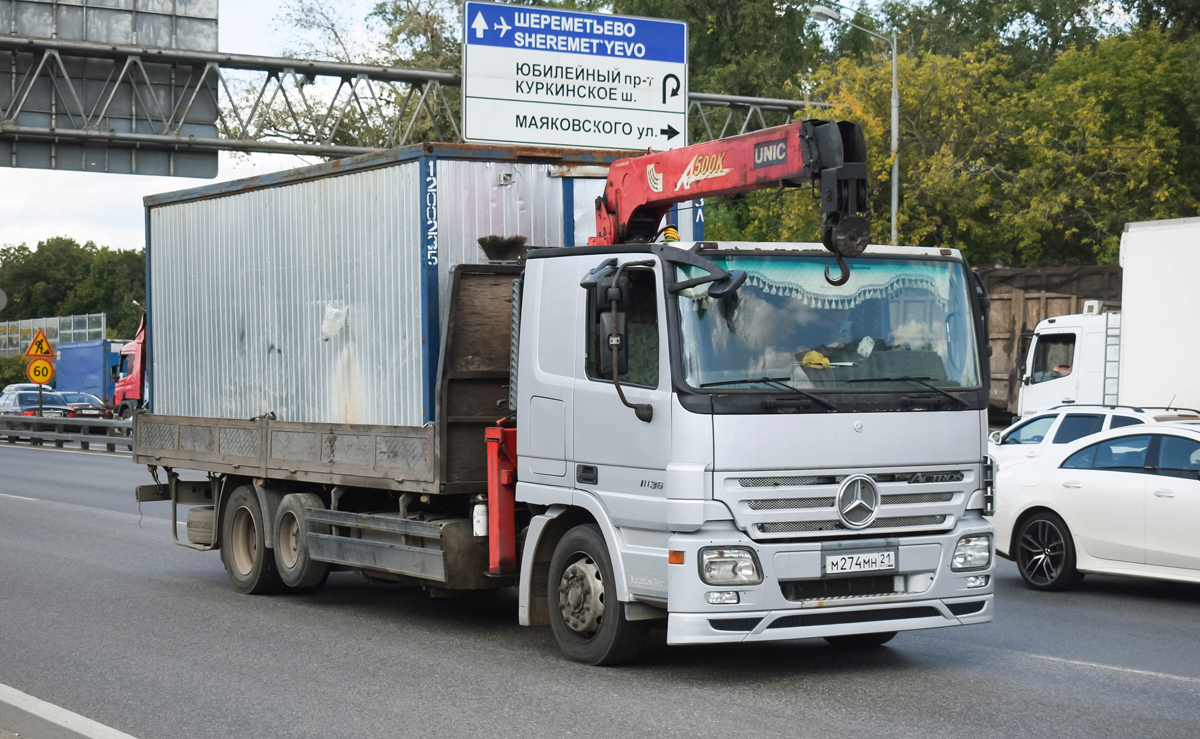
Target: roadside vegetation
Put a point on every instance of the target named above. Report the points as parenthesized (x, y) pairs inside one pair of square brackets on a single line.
[(61, 277)]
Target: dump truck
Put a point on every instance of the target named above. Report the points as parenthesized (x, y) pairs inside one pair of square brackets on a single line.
[(399, 365)]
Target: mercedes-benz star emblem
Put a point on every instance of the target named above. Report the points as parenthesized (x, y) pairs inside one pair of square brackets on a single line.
[(857, 501)]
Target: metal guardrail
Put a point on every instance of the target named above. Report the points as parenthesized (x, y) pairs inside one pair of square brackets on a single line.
[(86, 432)]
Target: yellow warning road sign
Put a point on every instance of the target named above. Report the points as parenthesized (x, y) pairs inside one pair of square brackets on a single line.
[(40, 371), (40, 347)]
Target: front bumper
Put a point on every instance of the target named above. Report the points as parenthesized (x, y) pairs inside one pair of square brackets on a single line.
[(934, 597)]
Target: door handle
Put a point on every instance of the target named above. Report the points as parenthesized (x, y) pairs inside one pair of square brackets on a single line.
[(1163, 494), (1068, 401), (587, 474), (1030, 454), (1071, 484)]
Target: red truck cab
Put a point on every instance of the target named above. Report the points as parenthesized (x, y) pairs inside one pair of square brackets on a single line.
[(129, 375)]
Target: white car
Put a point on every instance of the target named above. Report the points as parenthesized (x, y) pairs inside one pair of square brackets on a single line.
[(1121, 502), (1032, 437)]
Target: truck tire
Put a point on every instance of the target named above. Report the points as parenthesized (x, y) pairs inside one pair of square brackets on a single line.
[(861, 641), (588, 621), (296, 568), (251, 566), (1045, 553)]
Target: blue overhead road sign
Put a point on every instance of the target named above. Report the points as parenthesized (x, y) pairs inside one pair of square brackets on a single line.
[(564, 78)]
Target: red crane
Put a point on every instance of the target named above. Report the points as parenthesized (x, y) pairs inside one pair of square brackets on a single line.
[(830, 155)]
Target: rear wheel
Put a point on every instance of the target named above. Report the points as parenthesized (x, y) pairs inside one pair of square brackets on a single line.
[(251, 566), (1046, 553), (296, 568), (588, 620), (861, 641)]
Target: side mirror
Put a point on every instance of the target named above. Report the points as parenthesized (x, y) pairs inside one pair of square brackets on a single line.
[(612, 290), (994, 437), (612, 332), (113, 372)]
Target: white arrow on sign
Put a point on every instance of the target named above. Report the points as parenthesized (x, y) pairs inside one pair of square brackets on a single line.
[(479, 26)]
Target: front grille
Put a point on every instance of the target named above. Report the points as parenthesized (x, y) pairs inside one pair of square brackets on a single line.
[(839, 587), (734, 624), (791, 527), (966, 609), (775, 482), (775, 504), (917, 498), (853, 617)]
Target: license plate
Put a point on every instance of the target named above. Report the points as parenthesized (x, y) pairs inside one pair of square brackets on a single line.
[(89, 413), (836, 564), (52, 414)]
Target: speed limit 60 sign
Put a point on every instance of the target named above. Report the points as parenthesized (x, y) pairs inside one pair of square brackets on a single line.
[(40, 371)]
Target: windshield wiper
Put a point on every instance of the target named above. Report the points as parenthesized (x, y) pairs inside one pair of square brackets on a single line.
[(777, 382), (917, 380)]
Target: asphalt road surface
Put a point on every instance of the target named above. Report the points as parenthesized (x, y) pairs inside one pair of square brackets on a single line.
[(102, 615)]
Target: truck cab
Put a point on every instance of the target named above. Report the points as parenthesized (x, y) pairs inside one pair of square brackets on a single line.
[(128, 375), (787, 459), (1073, 360)]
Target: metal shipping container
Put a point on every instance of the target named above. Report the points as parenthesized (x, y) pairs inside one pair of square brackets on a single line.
[(319, 294)]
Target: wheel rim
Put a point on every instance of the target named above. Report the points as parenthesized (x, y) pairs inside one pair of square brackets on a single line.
[(289, 540), (1043, 552), (245, 541), (581, 596)]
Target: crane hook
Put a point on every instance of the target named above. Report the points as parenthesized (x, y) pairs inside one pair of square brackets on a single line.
[(845, 273)]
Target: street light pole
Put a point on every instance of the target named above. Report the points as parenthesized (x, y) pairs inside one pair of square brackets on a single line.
[(821, 14), (895, 142)]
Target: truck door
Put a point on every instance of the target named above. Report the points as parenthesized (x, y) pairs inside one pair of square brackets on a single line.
[(618, 457), (1050, 377)]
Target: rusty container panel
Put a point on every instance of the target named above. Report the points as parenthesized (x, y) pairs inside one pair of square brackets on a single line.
[(241, 287)]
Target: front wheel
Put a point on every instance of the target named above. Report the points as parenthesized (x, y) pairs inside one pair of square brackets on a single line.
[(588, 621), (1046, 553)]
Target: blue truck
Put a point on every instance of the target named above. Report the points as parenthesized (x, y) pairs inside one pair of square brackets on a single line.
[(86, 367)]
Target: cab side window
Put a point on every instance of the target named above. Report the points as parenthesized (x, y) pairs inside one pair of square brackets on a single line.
[(641, 333), (1030, 433), (1053, 357), (1123, 454), (1078, 425), (1178, 457)]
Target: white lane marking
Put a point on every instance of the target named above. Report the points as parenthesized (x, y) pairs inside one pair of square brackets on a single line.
[(136, 518), (59, 716), (1097, 665)]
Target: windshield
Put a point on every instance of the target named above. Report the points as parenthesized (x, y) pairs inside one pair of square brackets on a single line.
[(28, 399), (894, 319)]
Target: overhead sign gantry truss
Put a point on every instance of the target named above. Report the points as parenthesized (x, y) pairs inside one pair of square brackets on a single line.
[(83, 104)]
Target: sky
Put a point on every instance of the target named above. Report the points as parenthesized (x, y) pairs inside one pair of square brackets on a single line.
[(107, 209)]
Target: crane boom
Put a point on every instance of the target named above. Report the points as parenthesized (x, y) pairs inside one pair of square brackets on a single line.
[(831, 154)]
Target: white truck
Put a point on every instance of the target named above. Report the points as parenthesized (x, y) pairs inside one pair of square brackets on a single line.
[(741, 442), (1143, 356)]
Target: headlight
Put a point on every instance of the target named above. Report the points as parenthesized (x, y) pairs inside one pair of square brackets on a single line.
[(972, 553), (729, 567)]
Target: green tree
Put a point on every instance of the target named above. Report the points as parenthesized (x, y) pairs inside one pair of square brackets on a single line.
[(1100, 146), (62, 278), (116, 286), (38, 280), (739, 47)]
